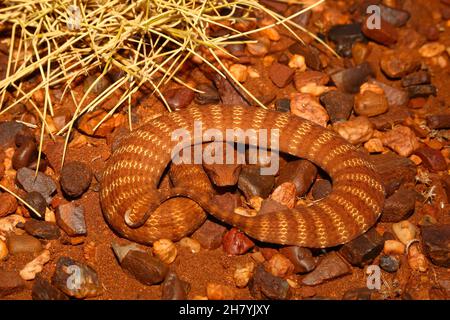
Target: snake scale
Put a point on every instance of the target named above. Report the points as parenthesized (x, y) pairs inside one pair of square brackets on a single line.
[(137, 209)]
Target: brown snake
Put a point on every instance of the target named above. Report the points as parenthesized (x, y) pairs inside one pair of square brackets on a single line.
[(134, 206)]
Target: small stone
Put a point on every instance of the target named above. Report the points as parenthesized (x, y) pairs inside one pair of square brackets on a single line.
[(393, 247), (300, 172), (401, 139), (396, 17), (25, 154), (438, 121), (208, 94), (345, 35), (76, 279), (431, 49), (219, 292), (173, 288), (360, 52), (416, 259), (9, 223), (301, 258), (3, 250), (10, 283), (23, 243), (311, 54), (44, 290), (405, 231), (431, 158), (8, 132), (280, 74), (75, 178), (38, 203), (421, 91), (349, 80), (358, 294), (338, 104), (42, 229), (269, 205), (252, 183), (260, 48), (330, 267), (399, 63), (8, 204), (399, 206), (90, 120), (179, 98), (209, 235), (364, 249), (264, 285), (297, 62), (190, 244), (416, 78), (389, 263), (146, 269), (302, 79), (165, 250), (35, 266), (374, 145), (285, 194), (370, 104), (355, 131), (229, 94), (395, 97), (41, 183), (227, 201), (239, 72), (306, 106), (70, 218), (283, 105), (321, 188), (436, 244), (279, 266), (385, 34), (236, 243), (243, 274)]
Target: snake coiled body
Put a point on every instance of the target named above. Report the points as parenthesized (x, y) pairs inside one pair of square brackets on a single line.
[(134, 206)]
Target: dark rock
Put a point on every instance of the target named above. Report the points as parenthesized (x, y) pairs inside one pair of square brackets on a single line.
[(75, 178), (349, 80), (283, 105), (300, 172), (43, 290), (364, 249), (8, 132), (42, 229), (38, 203), (310, 53), (396, 17), (386, 34), (76, 279), (264, 285), (10, 283), (229, 95), (269, 205), (173, 288), (436, 244), (415, 78), (42, 183), (339, 105), (301, 79), (399, 206), (70, 218), (389, 263), (438, 121), (321, 188), (431, 158), (253, 183), (146, 269), (424, 90), (235, 242), (330, 267), (345, 35), (301, 258), (395, 170), (8, 204), (179, 98), (209, 235), (358, 294), (24, 155), (396, 97), (280, 74), (209, 94), (394, 116), (23, 243)]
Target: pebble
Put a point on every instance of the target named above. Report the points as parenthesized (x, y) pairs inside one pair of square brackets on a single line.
[(360, 52), (285, 194), (416, 78), (396, 17), (399, 63), (179, 98), (330, 267), (35, 266), (301, 173), (23, 243), (42, 183), (141, 265), (399, 206), (358, 294), (173, 288), (396, 97), (345, 35), (364, 249), (302, 79), (431, 158), (301, 258), (75, 178), (42, 229), (438, 121), (165, 250), (283, 105), (436, 244), (76, 279), (235, 242), (279, 266), (208, 94), (8, 132), (90, 120), (339, 105), (25, 154), (416, 260), (306, 106), (10, 283), (424, 90), (3, 250), (239, 72), (269, 205), (349, 80), (8, 204), (38, 203), (260, 48), (389, 263), (310, 53), (401, 139), (44, 290), (432, 49), (280, 74), (321, 188), (190, 244), (227, 201), (374, 145), (70, 218), (252, 183), (297, 62), (394, 247), (219, 292), (209, 235), (229, 95), (370, 104), (243, 273), (405, 231), (264, 285), (356, 130), (387, 34)]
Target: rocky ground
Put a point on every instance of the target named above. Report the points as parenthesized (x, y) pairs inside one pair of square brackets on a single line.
[(388, 94)]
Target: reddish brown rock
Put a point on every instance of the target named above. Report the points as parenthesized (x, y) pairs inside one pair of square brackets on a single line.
[(42, 229), (70, 217), (23, 243), (10, 283), (399, 206), (364, 249), (436, 242), (235, 242), (438, 121), (301, 258), (146, 269), (264, 285), (179, 98), (8, 204), (209, 235), (280, 74), (173, 288), (370, 104), (301, 79), (339, 105), (300, 172), (349, 80), (321, 188), (399, 63), (75, 178), (330, 267), (44, 290), (386, 34), (270, 205), (252, 183), (431, 158)]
